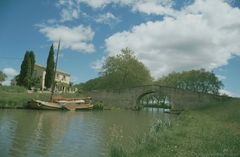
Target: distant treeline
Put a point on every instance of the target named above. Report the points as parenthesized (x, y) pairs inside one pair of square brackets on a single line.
[(125, 70)]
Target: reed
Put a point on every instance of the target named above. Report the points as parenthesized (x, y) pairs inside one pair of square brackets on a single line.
[(210, 131)]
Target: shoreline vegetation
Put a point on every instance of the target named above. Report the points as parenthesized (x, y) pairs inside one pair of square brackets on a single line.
[(16, 97), (209, 131)]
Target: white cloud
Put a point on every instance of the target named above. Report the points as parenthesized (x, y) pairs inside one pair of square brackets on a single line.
[(69, 14), (107, 18), (223, 91), (221, 77), (11, 73), (202, 35), (158, 7), (96, 3), (155, 7), (70, 10), (75, 38), (97, 65), (135, 4), (227, 92)]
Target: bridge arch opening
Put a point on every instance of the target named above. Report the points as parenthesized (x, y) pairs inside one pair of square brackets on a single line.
[(155, 99)]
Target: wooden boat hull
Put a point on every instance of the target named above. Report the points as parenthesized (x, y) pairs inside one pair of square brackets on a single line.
[(74, 107), (43, 105)]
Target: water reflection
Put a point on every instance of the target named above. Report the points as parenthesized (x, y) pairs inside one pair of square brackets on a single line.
[(28, 133)]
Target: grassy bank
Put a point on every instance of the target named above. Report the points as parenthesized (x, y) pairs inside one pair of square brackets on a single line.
[(17, 97), (208, 132)]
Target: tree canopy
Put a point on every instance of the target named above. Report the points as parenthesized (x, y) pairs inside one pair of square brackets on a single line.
[(50, 68), (3, 76), (195, 80), (120, 71), (125, 70)]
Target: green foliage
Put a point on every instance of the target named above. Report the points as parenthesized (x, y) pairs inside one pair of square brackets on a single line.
[(35, 82), (116, 142), (124, 70), (32, 59), (3, 76), (97, 83), (25, 78), (13, 89), (50, 69), (25, 75), (97, 105), (195, 80), (117, 152), (120, 71)]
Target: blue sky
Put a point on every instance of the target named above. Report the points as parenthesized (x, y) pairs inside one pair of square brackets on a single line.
[(166, 35)]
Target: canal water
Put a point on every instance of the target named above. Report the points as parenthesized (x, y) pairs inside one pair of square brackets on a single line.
[(32, 133)]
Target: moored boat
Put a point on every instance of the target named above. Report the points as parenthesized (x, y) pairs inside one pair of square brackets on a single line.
[(43, 105), (74, 107), (61, 99), (73, 104)]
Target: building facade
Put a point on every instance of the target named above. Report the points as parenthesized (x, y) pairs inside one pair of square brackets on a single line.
[(62, 78)]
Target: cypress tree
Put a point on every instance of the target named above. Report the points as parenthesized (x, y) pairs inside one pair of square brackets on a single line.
[(50, 68), (28, 77), (25, 72), (32, 58)]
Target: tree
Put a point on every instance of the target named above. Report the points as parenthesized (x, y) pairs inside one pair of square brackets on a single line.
[(50, 68), (125, 70), (25, 75), (3, 77), (32, 58), (26, 78), (96, 83), (121, 71), (195, 80)]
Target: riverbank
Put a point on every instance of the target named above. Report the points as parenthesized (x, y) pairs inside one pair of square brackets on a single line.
[(18, 97), (210, 131)]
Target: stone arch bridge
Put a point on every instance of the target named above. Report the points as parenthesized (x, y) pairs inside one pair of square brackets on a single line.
[(129, 97)]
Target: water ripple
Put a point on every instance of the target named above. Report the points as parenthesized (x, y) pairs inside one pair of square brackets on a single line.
[(26, 133)]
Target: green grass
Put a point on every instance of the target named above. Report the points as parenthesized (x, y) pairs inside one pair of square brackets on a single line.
[(208, 132), (14, 89), (18, 100), (17, 97)]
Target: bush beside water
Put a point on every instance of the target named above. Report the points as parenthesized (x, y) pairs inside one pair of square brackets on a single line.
[(97, 105)]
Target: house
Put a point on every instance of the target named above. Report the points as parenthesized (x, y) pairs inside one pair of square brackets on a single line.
[(62, 78)]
